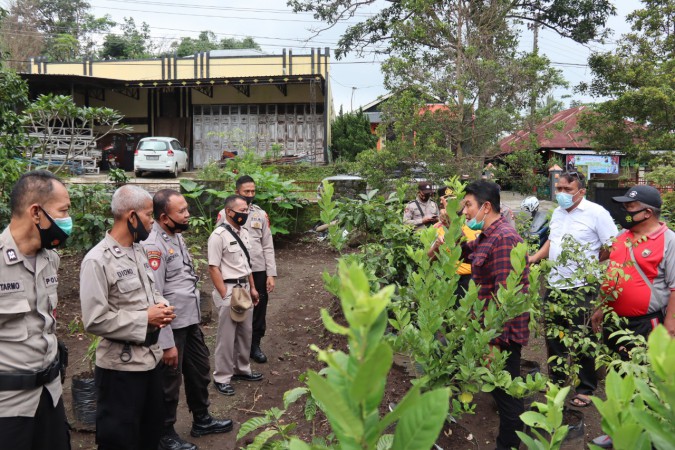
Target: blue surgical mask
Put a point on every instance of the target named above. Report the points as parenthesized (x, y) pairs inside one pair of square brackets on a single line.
[(57, 233), (473, 224), (565, 200), (66, 224)]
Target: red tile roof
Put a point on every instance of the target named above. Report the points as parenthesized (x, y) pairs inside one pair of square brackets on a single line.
[(559, 131)]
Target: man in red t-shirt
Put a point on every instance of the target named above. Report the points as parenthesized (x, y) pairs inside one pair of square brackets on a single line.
[(645, 252)]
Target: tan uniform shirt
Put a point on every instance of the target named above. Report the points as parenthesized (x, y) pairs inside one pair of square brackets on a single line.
[(262, 247), (225, 253), (413, 216), (27, 323), (116, 289), (175, 280)]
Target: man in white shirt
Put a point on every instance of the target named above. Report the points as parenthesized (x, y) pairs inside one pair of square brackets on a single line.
[(592, 227)]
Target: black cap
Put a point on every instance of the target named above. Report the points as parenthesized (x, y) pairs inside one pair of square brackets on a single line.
[(425, 186), (648, 195)]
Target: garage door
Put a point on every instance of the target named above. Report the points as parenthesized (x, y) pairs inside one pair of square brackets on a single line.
[(257, 127)]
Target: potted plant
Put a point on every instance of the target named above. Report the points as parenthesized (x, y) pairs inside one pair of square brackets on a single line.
[(83, 388)]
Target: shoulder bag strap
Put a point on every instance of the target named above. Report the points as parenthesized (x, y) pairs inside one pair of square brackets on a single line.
[(241, 244), (639, 270), (419, 207)]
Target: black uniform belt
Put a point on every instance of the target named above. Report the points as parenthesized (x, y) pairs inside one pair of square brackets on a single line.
[(23, 381), (236, 280), (647, 317), (150, 339)]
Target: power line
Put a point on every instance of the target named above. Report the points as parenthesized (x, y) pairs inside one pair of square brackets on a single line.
[(226, 8), (270, 19), (212, 64)]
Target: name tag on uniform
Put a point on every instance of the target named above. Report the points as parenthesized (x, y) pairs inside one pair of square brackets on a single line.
[(51, 281), (7, 287), (233, 243), (126, 273)]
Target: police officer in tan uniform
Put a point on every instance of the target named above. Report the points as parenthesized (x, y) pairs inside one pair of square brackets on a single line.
[(262, 261), (120, 304), (229, 268), (423, 211), (32, 416), (185, 355)]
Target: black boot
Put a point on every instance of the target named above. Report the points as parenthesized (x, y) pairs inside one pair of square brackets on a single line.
[(171, 441), (203, 424), (257, 354)]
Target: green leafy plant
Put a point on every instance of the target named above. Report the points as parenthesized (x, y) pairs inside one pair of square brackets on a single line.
[(329, 213), (546, 423), (639, 414), (76, 327), (91, 213), (448, 336), (350, 389), (205, 201), (118, 176), (276, 196)]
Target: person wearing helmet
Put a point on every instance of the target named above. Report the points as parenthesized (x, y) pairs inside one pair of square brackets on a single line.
[(530, 204)]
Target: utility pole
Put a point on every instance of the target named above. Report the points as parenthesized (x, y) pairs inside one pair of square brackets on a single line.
[(535, 51), (351, 104)]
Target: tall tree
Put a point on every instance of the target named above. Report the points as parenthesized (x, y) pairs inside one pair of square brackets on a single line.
[(463, 55), (19, 38), (133, 43), (207, 41), (351, 135), (60, 29), (638, 78)]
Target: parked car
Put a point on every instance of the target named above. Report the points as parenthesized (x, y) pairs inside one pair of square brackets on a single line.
[(160, 154)]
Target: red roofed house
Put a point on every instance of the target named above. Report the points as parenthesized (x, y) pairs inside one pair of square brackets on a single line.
[(560, 138)]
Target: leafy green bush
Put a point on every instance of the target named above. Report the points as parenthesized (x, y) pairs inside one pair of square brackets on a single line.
[(668, 209), (548, 418), (90, 210), (639, 413), (276, 196), (448, 336), (350, 389)]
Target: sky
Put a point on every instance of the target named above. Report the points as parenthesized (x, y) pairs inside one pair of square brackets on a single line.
[(355, 81)]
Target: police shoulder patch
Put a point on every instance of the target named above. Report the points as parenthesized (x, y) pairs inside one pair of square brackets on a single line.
[(154, 259)]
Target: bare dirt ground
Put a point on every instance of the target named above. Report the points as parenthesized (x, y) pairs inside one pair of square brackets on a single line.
[(293, 325)]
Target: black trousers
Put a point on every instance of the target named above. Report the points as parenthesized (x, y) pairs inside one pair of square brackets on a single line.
[(642, 325), (129, 409), (462, 286), (48, 430), (580, 324), (510, 408), (260, 310), (193, 368)]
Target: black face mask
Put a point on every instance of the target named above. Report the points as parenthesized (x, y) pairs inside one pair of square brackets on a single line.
[(249, 200), (180, 227), (53, 236), (425, 197), (627, 221), (239, 218), (138, 233)]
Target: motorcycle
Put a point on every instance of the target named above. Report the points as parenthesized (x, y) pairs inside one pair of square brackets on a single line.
[(539, 227)]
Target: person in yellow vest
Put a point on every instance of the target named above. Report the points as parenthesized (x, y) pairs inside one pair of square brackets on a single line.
[(464, 268)]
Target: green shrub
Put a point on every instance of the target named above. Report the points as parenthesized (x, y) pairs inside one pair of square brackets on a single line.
[(90, 210), (276, 196), (350, 389)]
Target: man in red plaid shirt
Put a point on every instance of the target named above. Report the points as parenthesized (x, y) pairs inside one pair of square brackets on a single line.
[(490, 257)]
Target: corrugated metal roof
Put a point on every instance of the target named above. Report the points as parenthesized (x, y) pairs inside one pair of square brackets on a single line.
[(560, 131)]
